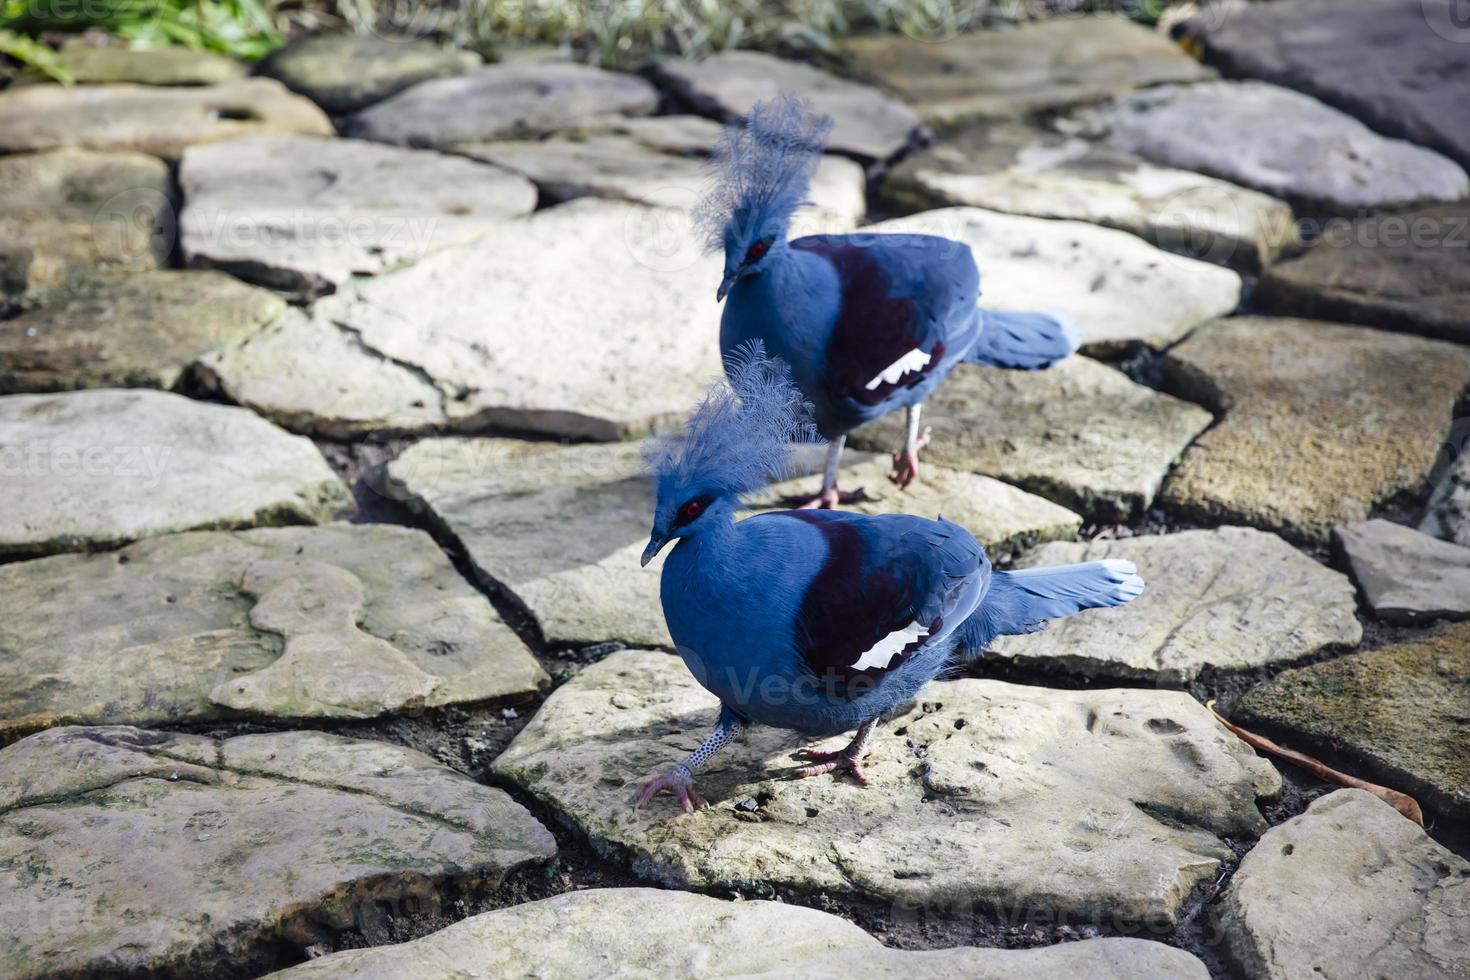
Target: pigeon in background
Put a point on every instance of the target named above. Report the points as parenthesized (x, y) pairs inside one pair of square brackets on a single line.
[(867, 322), (815, 620)]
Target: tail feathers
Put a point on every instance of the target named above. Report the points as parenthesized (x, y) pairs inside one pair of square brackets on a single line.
[(1022, 601), (1025, 341)]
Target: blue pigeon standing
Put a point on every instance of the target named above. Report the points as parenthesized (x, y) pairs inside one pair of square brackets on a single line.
[(867, 322), (815, 620)]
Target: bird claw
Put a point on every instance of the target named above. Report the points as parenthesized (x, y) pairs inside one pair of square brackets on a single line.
[(843, 759), (828, 499), (906, 461), (905, 469), (678, 781)]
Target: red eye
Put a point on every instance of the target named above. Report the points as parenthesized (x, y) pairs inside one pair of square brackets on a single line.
[(691, 510), (756, 251)]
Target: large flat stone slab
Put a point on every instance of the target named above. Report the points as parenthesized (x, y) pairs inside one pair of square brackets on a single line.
[(1395, 714), (346, 72), (87, 470), (1033, 68), (253, 210), (140, 331), (1383, 61), (1228, 599), (1348, 889), (975, 793), (1406, 576), (547, 325), (338, 621), (66, 215), (1281, 142), (160, 121), (90, 64), (517, 100), (586, 933), (1399, 272), (625, 168), (306, 373), (1122, 290), (131, 851), (1023, 170), (1316, 430), (1080, 433), (1002, 517), (866, 123), (562, 529)]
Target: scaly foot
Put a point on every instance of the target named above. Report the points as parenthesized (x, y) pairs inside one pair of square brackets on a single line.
[(828, 499), (848, 759), (680, 782)]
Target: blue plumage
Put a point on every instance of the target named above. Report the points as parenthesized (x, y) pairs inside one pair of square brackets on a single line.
[(821, 622), (868, 322)]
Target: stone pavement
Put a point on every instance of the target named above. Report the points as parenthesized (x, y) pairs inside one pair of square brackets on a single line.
[(321, 392)]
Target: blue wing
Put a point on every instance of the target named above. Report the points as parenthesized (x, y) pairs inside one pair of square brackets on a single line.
[(887, 587), (907, 311)]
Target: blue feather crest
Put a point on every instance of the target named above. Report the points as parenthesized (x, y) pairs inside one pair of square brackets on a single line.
[(740, 438), (762, 170)]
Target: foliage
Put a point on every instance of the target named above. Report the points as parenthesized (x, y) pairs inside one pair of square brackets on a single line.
[(242, 28)]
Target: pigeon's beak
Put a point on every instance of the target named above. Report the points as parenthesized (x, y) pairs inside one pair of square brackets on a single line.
[(655, 544), (724, 289)]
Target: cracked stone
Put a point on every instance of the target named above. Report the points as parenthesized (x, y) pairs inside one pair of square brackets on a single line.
[(95, 469), (309, 375), (1396, 715), (1348, 889), (1406, 576), (625, 168), (1122, 290), (1080, 433), (336, 621), (865, 122), (1316, 430), (1398, 272), (518, 100), (67, 215), (477, 323), (587, 933), (562, 529), (1033, 68), (1028, 171), (1229, 599), (360, 208), (1281, 142), (1370, 58), (140, 331), (252, 843), (975, 792), (346, 72), (160, 121)]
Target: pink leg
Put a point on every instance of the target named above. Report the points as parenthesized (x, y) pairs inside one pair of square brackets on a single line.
[(848, 759), (830, 496), (680, 779), (906, 461)]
